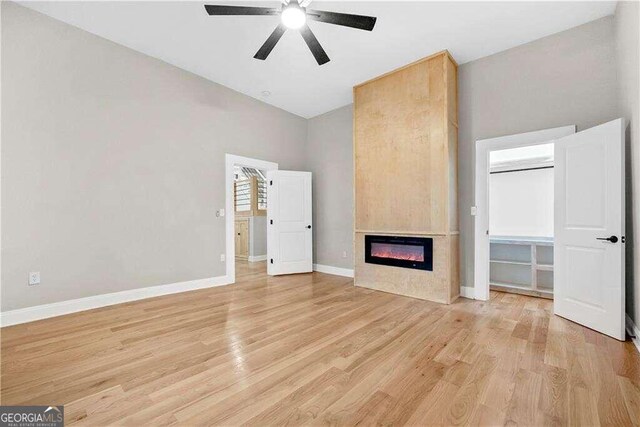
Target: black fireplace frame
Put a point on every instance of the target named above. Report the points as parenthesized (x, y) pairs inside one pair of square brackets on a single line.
[(425, 242)]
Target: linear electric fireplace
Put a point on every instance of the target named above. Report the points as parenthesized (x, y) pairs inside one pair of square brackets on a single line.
[(398, 251)]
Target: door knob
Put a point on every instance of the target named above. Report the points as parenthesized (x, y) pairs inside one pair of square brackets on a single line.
[(308, 226), (612, 239)]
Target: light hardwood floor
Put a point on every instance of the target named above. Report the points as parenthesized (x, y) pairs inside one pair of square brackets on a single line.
[(313, 349)]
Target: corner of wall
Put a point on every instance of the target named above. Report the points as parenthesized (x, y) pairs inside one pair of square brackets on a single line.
[(627, 35)]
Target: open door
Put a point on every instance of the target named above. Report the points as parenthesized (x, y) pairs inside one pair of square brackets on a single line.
[(589, 228), (289, 234)]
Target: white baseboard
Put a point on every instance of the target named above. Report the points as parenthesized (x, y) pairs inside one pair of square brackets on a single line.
[(467, 292), (29, 314), (257, 258), (632, 329), (346, 272)]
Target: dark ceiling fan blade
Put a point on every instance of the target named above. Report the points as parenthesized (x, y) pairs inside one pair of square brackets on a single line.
[(240, 10), (268, 45), (314, 45), (360, 22)]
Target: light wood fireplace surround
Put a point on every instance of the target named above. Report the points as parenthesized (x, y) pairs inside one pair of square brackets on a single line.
[(405, 151)]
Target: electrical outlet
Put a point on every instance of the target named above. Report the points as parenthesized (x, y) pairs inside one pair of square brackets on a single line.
[(222, 257), (344, 254), (34, 278)]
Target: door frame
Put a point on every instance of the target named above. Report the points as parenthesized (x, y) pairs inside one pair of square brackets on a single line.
[(481, 224), (230, 161)]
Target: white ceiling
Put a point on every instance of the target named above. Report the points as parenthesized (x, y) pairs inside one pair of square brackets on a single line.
[(221, 49)]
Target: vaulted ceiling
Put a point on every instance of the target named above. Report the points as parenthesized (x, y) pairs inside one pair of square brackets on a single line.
[(221, 49)]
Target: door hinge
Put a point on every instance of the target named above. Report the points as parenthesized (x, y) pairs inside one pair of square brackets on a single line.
[(271, 182), (622, 239), (271, 260), (271, 221)]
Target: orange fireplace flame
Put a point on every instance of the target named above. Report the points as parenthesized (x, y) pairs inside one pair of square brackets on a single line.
[(396, 251)]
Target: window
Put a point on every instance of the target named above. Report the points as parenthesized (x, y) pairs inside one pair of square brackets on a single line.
[(250, 195)]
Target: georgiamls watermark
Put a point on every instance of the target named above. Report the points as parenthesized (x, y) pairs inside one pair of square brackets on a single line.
[(31, 416)]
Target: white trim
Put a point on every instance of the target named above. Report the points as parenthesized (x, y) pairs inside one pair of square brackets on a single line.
[(483, 148), (632, 329), (257, 258), (231, 160), (29, 314), (337, 271), (467, 292)]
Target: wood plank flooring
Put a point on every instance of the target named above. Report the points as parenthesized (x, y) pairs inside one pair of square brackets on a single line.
[(313, 349)]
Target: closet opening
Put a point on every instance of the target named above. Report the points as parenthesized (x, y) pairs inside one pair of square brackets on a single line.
[(521, 211)]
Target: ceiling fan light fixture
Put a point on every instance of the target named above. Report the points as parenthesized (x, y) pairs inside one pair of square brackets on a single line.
[(293, 14), (293, 17)]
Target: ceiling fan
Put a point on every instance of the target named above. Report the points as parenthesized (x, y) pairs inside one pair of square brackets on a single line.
[(294, 15)]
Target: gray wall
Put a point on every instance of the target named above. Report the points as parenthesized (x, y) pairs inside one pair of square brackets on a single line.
[(627, 45), (567, 78), (258, 236), (330, 158), (113, 163)]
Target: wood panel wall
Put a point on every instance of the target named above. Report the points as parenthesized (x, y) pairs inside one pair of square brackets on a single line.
[(405, 154)]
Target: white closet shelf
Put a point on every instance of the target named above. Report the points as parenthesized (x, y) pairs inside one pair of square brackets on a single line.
[(511, 251), (524, 240), (521, 289), (506, 261)]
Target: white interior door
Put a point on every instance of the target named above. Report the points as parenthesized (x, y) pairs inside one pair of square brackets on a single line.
[(289, 234), (589, 228)]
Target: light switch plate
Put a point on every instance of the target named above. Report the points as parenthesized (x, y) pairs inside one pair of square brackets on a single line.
[(222, 257), (34, 278), (473, 210)]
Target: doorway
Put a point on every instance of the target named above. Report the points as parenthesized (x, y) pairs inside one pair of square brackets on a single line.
[(250, 225), (521, 262), (246, 221), (521, 215)]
